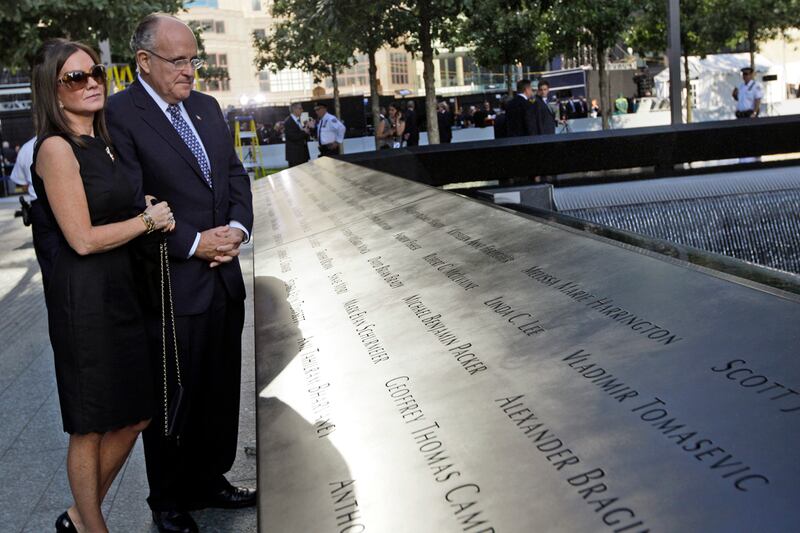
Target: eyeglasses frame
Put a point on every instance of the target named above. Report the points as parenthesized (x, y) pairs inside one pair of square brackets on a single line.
[(195, 62)]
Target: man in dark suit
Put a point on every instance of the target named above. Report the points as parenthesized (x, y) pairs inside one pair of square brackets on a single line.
[(500, 124), (411, 135), (297, 137), (545, 118), (445, 120), (173, 143), (520, 113)]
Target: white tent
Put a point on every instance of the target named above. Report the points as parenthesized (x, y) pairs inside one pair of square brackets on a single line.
[(714, 77)]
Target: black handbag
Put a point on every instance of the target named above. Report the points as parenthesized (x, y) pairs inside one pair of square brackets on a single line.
[(175, 405)]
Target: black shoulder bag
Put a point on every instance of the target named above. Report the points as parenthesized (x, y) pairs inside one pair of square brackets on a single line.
[(175, 405)]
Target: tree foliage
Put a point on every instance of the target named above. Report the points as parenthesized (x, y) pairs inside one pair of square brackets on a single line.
[(505, 33), (368, 25), (599, 24), (649, 30), (752, 21), (301, 37), (27, 23), (430, 23)]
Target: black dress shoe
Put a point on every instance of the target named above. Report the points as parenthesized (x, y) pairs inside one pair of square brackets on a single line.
[(174, 522), (232, 498), (64, 524)]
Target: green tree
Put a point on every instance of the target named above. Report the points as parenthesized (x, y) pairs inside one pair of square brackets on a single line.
[(370, 25), (650, 29), (753, 21), (430, 22), (27, 23), (505, 33), (599, 24), (302, 38)]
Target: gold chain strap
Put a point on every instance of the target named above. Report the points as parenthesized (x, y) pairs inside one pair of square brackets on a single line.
[(164, 260)]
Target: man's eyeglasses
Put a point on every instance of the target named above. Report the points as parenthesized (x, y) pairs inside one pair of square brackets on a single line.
[(180, 64), (77, 79)]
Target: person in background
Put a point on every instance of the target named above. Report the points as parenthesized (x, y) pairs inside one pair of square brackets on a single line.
[(621, 105), (500, 120), (481, 115), (275, 135), (748, 95), (96, 320), (45, 238), (7, 158), (411, 134), (520, 111), (384, 132), (297, 137), (545, 117), (398, 123), (595, 110), (444, 119), (173, 143), (330, 131)]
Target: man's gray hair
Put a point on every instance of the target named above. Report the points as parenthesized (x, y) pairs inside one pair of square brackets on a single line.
[(296, 105), (144, 36)]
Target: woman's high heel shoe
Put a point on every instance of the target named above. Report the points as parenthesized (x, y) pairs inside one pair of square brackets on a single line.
[(64, 524)]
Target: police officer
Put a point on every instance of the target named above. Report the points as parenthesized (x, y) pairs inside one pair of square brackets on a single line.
[(330, 131), (748, 95)]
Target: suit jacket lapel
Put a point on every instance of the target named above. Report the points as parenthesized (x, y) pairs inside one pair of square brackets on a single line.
[(157, 120)]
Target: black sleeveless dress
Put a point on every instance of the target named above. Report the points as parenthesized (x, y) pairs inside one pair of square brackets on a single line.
[(97, 328)]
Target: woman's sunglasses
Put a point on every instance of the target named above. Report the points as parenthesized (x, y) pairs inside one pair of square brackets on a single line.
[(77, 79)]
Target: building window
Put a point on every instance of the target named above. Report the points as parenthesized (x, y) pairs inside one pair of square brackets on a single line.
[(398, 63), (202, 25), (289, 80), (208, 25), (355, 76), (259, 34), (447, 71), (256, 5), (263, 81), (216, 74), (202, 3)]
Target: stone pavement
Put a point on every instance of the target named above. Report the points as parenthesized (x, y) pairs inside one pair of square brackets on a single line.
[(33, 481)]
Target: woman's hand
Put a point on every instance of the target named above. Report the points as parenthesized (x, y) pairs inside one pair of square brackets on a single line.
[(161, 215)]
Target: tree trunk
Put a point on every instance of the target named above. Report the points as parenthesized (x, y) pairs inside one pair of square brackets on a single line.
[(510, 79), (605, 107), (751, 44), (688, 86), (428, 73), (337, 104), (373, 93)]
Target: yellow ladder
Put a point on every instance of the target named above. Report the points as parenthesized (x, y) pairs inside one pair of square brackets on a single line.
[(119, 76), (249, 151)]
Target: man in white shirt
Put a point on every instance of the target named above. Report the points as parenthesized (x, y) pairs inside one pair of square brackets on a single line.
[(330, 131), (21, 173), (45, 236), (748, 95)]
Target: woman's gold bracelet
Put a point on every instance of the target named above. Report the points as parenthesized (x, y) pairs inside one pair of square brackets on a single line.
[(149, 223)]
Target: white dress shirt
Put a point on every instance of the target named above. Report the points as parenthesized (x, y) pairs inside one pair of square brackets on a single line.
[(748, 94), (21, 173), (330, 129), (162, 104)]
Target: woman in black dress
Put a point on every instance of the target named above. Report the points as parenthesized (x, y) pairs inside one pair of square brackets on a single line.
[(105, 386)]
